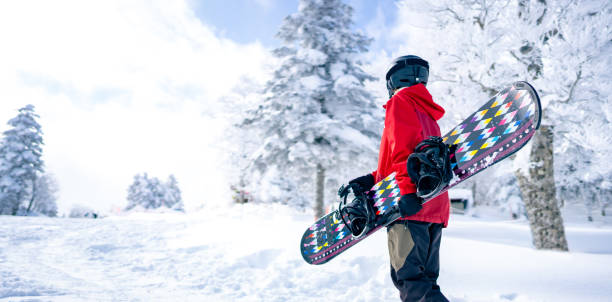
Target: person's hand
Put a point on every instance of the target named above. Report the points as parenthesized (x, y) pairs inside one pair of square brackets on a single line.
[(410, 204), (365, 182)]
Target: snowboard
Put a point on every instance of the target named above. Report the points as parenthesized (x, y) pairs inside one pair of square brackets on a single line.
[(498, 129)]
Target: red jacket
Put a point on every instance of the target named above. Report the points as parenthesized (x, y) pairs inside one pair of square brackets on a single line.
[(410, 117)]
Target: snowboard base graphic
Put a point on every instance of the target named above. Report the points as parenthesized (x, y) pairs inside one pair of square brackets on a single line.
[(495, 131)]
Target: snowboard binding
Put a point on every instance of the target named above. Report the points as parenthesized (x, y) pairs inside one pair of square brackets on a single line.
[(429, 167), (358, 215)]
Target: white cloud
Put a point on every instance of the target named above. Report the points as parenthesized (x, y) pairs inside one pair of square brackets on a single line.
[(122, 87)]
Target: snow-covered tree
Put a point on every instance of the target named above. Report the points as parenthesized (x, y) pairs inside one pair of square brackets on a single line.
[(144, 192), (20, 160), (150, 193), (317, 124), (173, 199), (44, 196), (242, 143), (137, 192), (567, 57), (579, 100), (562, 48)]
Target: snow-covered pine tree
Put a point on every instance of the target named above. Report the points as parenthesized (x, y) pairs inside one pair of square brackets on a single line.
[(20, 160), (172, 198), (44, 196), (155, 192), (317, 124), (137, 192)]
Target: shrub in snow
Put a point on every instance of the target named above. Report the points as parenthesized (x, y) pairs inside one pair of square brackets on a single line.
[(150, 193), (79, 211)]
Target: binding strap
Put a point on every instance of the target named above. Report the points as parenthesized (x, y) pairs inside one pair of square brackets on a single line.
[(429, 167)]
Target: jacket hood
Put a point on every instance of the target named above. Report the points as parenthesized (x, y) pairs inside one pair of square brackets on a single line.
[(421, 98)]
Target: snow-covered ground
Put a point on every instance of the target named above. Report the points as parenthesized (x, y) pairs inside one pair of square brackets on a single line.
[(251, 253)]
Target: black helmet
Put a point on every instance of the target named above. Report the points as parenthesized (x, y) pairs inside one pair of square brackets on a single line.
[(406, 71)]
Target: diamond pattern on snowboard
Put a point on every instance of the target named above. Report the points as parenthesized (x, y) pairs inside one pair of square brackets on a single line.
[(386, 194), (500, 118)]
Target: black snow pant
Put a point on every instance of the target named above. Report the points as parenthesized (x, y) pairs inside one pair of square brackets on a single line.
[(414, 250)]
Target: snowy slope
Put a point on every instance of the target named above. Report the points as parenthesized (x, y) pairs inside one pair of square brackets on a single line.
[(250, 253)]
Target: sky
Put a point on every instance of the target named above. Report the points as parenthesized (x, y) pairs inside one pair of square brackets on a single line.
[(259, 20), (127, 87)]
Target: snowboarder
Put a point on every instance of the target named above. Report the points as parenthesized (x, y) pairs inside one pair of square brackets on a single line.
[(413, 240)]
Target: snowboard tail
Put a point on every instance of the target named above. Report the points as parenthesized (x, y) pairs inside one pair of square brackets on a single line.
[(498, 129), (329, 236)]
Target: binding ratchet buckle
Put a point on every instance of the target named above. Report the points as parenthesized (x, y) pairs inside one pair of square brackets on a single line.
[(358, 215)]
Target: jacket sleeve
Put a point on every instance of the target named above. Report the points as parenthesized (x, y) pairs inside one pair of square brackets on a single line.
[(405, 133)]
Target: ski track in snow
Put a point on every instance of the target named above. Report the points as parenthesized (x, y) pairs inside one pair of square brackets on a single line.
[(250, 253)]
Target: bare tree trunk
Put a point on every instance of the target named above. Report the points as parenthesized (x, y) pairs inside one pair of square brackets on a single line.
[(474, 193), (16, 204), (318, 207), (33, 196), (538, 190)]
